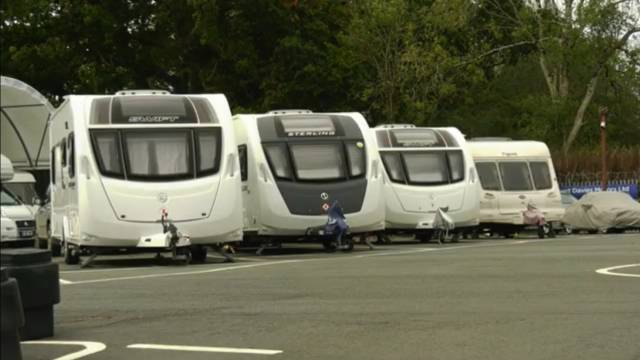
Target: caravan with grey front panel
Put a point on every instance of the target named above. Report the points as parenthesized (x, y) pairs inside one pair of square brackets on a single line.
[(123, 164), (427, 170), (295, 164)]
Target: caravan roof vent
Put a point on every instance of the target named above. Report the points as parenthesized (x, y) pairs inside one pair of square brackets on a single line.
[(395, 126), (290, 111), (143, 92)]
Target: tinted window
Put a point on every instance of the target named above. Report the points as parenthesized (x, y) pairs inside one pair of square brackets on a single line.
[(244, 168), (303, 124), (100, 111), (541, 175), (205, 113), (393, 165), (8, 199), (383, 138), (72, 156), (456, 165), (54, 165), (152, 109), (25, 192), (318, 161), (356, 157), (278, 160), (515, 176), (63, 149), (158, 154), (106, 147), (208, 145), (488, 174), (416, 138), (426, 168)]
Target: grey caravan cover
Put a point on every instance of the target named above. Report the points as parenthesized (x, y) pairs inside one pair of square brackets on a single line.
[(603, 210)]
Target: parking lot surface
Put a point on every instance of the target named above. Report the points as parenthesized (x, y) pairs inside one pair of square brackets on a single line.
[(572, 297)]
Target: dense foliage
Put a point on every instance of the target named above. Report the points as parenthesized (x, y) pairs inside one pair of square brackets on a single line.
[(535, 69)]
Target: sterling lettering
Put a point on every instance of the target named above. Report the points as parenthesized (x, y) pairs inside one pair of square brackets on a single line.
[(153, 119), (311, 133)]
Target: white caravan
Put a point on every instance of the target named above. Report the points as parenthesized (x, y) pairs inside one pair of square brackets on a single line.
[(18, 221), (513, 175), (427, 169), (121, 162), (295, 164)]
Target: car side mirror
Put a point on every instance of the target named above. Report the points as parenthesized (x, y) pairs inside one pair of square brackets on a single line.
[(37, 201)]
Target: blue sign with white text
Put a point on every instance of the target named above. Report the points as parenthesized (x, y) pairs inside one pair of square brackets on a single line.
[(579, 190)]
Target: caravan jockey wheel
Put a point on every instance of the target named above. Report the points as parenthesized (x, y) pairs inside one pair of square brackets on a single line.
[(348, 243), (329, 245)]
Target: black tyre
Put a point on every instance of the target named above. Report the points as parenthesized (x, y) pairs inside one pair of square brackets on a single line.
[(507, 235), (56, 249), (541, 232), (198, 254), (70, 253), (455, 237), (348, 244), (424, 237), (329, 245), (549, 231)]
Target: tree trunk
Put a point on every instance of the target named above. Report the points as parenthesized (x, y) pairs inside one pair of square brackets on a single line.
[(579, 119)]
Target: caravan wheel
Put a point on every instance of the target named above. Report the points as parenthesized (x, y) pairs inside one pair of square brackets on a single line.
[(348, 244), (329, 245), (198, 254)]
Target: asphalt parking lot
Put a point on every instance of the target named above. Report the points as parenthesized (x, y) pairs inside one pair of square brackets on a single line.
[(520, 298)]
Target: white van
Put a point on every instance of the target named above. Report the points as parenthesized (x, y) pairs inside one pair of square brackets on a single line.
[(121, 162), (294, 164), (427, 169), (514, 174), (23, 186), (14, 211)]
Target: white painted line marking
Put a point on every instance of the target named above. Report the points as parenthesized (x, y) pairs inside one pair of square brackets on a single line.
[(205, 349), (65, 282), (269, 263), (83, 271), (228, 268), (90, 347), (608, 271)]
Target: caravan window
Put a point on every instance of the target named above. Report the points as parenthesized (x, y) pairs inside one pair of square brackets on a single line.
[(356, 157), (488, 174), (208, 145), (515, 176), (106, 146), (541, 175), (426, 167), (393, 165), (158, 155), (456, 165), (63, 154), (242, 157), (278, 160), (54, 165), (318, 161), (71, 154)]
